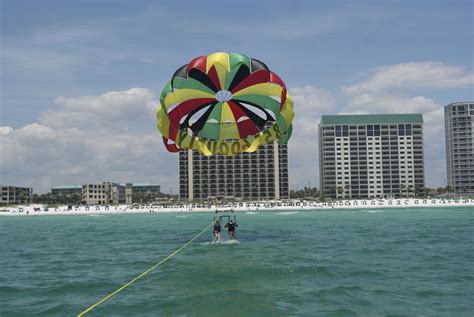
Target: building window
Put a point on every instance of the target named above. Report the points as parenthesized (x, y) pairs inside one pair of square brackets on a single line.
[(342, 130), (373, 130), (401, 129), (404, 129)]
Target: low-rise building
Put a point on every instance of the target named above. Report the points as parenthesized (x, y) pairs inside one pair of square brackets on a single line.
[(11, 195), (107, 193), (67, 190), (145, 188)]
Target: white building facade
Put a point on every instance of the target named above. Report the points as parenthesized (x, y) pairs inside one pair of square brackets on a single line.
[(368, 156), (459, 126)]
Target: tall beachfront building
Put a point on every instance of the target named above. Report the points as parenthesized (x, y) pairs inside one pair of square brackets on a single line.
[(246, 176), (459, 126), (365, 156)]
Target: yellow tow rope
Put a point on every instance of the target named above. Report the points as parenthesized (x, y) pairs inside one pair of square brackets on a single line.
[(144, 273)]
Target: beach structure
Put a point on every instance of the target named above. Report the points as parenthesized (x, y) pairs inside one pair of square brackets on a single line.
[(145, 192), (259, 175), (367, 156), (11, 195), (459, 126), (67, 190), (145, 188), (107, 193)]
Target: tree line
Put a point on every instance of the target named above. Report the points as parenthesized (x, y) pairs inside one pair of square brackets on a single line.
[(76, 199)]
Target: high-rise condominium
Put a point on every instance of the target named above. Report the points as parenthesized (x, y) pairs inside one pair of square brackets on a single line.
[(459, 126), (246, 176), (364, 156)]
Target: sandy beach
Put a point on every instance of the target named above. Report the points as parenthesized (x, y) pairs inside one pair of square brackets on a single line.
[(42, 210)]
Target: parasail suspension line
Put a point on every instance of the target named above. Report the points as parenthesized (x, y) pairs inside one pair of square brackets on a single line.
[(146, 272)]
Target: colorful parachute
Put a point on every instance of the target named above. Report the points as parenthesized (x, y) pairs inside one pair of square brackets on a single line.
[(224, 104)]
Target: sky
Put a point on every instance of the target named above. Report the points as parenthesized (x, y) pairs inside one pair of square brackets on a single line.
[(80, 80)]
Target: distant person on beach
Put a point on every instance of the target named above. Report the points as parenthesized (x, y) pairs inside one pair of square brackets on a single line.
[(217, 231), (231, 228)]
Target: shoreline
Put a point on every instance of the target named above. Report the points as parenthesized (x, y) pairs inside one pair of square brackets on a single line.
[(270, 206)]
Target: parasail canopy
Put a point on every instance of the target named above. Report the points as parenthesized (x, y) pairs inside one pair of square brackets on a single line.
[(224, 104)]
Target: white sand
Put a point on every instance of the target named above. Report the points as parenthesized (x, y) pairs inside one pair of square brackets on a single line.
[(36, 210)]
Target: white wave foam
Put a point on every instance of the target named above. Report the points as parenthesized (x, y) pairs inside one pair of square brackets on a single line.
[(222, 242), (287, 213), (235, 241)]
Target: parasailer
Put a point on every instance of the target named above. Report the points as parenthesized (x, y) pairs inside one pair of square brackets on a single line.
[(230, 225), (217, 230), (224, 103)]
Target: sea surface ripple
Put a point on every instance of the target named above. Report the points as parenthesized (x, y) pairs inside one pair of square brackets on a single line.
[(395, 262)]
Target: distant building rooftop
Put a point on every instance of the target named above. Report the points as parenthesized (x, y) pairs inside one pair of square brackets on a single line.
[(372, 119), (143, 184), (68, 187), (140, 184), (459, 103)]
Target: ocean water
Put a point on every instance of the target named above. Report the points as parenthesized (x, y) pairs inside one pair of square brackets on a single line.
[(386, 262)]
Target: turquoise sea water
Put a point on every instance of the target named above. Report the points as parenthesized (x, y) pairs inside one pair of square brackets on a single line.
[(391, 262)]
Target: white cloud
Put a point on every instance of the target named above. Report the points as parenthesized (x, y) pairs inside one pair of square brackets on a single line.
[(406, 76), (434, 147), (89, 139), (389, 103), (387, 89), (310, 104), (36, 130), (5, 130), (312, 100), (112, 109)]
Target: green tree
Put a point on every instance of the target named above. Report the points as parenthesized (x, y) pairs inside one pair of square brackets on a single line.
[(347, 190), (306, 192), (403, 189), (340, 190)]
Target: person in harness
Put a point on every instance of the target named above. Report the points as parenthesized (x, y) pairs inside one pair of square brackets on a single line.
[(217, 231), (231, 228)]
